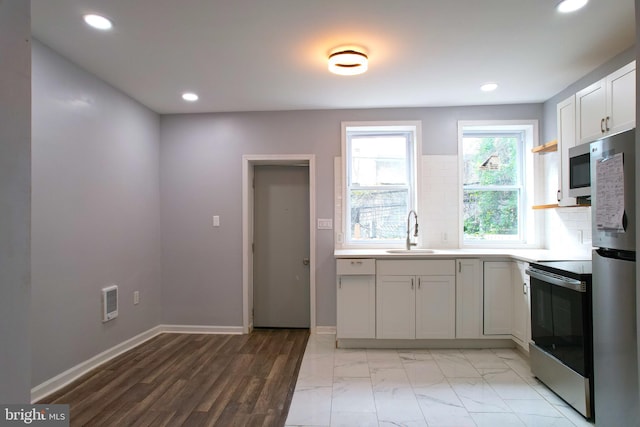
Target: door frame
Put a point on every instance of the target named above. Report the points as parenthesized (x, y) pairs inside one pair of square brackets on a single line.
[(249, 161)]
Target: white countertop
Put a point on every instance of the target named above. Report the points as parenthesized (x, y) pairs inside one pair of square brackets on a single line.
[(528, 255)]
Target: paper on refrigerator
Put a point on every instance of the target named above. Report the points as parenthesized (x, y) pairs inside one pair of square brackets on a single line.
[(610, 193)]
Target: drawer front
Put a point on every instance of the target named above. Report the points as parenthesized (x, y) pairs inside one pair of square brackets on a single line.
[(417, 267), (347, 267)]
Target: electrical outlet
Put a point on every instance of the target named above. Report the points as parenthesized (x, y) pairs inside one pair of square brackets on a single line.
[(136, 297)]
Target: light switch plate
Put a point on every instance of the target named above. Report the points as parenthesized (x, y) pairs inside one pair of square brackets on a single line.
[(325, 224), (216, 221)]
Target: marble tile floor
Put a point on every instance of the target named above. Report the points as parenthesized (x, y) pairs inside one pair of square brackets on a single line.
[(422, 388)]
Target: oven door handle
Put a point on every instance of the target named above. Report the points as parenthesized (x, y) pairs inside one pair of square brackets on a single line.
[(565, 282)]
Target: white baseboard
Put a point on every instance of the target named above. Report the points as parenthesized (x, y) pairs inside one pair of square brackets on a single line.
[(53, 384), (197, 329), (424, 343), (61, 380), (324, 330)]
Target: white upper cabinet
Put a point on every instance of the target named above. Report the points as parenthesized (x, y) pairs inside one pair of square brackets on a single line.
[(607, 106), (591, 106), (621, 99), (566, 114)]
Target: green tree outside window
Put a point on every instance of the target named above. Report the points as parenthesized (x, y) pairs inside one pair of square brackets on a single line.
[(491, 187)]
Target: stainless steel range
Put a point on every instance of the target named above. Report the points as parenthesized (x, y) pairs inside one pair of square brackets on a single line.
[(561, 354)]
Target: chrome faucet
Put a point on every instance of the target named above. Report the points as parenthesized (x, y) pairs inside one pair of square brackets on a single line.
[(415, 233)]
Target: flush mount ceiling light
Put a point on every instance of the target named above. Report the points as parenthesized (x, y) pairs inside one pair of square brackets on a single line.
[(489, 87), (190, 96), (348, 62), (98, 22), (566, 6)]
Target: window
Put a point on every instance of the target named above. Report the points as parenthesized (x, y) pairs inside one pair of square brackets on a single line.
[(380, 181), (496, 176)]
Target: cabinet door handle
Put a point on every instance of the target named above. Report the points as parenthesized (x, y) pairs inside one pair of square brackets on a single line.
[(411, 283), (356, 262), (558, 196), (602, 126), (459, 266), (340, 282), (606, 123), (419, 283), (524, 288)]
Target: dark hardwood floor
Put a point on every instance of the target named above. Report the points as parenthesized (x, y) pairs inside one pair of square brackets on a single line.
[(192, 380)]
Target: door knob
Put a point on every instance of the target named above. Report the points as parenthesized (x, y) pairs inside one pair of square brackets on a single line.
[(305, 261)]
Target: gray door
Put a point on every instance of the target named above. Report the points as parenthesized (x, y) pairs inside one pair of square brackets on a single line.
[(281, 247)]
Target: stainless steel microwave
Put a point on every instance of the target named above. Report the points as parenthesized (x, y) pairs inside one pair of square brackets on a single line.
[(579, 171)]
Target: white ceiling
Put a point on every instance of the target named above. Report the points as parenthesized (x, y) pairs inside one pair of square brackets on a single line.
[(256, 55)]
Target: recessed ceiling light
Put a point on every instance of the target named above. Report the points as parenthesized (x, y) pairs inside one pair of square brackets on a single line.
[(190, 96), (566, 6), (348, 62), (488, 87), (98, 22)]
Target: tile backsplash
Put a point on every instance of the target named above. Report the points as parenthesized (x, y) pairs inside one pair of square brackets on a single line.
[(569, 229), (439, 202)]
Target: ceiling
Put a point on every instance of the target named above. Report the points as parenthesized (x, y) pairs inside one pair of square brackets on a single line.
[(259, 55)]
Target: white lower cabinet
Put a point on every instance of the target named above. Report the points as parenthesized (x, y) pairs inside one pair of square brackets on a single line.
[(521, 326), (506, 301), (498, 297), (356, 298), (433, 299), (468, 298), (396, 307), (436, 307), (415, 299)]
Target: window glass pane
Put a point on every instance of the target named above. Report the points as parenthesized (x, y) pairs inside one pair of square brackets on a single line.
[(378, 160), (378, 214), (490, 160), (491, 215)]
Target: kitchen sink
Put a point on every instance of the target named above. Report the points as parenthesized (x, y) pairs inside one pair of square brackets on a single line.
[(410, 251)]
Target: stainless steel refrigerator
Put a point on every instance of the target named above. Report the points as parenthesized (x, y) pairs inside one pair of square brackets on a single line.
[(615, 354)]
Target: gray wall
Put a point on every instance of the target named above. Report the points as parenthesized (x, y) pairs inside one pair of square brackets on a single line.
[(15, 182), (200, 163), (95, 216), (549, 130)]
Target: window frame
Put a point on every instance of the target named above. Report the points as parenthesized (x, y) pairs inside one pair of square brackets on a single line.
[(413, 170), (529, 227)]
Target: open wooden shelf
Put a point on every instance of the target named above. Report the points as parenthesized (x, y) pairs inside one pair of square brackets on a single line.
[(546, 148), (555, 206)]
